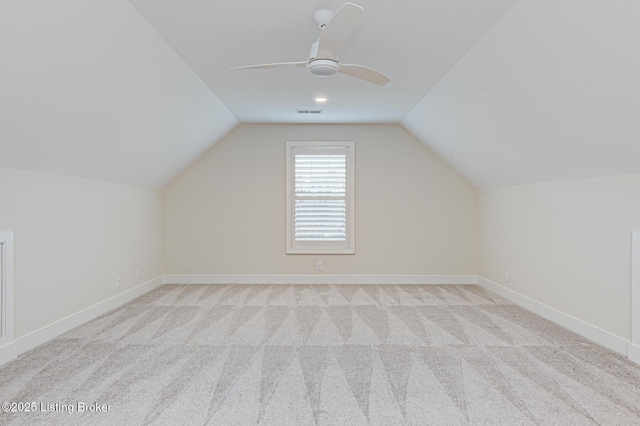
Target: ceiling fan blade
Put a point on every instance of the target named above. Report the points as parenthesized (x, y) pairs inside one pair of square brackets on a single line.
[(364, 73), (337, 30), (276, 65)]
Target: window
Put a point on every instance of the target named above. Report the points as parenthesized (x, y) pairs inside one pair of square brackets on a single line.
[(320, 197)]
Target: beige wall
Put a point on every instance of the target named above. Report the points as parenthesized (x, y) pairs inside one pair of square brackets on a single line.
[(72, 237), (226, 213), (564, 244)]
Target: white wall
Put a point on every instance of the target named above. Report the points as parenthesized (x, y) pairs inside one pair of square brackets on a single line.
[(72, 238), (226, 213), (565, 244)]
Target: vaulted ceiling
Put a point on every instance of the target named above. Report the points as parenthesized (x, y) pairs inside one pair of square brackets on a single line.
[(413, 42), (507, 92)]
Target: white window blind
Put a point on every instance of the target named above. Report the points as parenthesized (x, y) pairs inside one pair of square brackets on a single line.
[(320, 197)]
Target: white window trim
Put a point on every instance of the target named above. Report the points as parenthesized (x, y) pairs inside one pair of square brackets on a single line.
[(320, 248)]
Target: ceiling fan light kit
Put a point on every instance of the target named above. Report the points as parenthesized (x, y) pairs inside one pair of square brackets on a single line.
[(323, 55), (323, 67)]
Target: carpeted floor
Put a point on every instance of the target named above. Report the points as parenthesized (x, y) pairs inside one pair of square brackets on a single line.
[(324, 355)]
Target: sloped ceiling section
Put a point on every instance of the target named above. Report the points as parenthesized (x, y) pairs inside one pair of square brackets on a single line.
[(550, 93), (89, 89), (414, 42)]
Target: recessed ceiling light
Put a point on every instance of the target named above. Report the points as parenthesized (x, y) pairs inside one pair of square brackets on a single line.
[(321, 100)]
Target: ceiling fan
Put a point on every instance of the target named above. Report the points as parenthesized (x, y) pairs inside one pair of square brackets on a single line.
[(323, 56)]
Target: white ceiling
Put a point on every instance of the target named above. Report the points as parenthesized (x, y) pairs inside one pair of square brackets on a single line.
[(414, 42), (89, 89), (507, 92), (552, 92)]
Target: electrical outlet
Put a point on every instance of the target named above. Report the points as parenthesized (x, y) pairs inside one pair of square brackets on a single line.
[(319, 265), (138, 274), (506, 277), (118, 281)]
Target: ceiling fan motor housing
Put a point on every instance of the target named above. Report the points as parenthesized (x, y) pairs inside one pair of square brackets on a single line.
[(323, 67)]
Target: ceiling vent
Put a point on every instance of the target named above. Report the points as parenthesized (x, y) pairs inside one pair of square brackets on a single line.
[(309, 111)]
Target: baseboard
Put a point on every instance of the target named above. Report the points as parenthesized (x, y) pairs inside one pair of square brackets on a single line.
[(591, 332), (320, 279), (8, 352), (30, 341), (634, 353), (54, 330)]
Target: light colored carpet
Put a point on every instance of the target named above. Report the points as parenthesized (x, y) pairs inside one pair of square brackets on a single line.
[(325, 355)]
